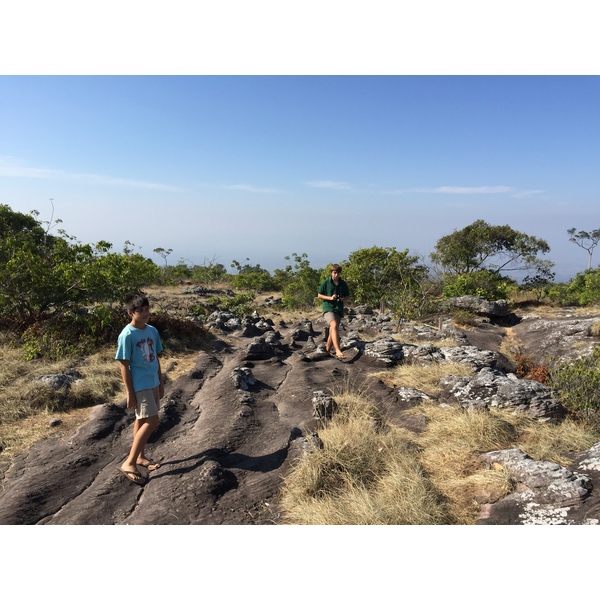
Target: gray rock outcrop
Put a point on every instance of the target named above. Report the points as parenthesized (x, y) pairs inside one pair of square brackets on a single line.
[(490, 388)]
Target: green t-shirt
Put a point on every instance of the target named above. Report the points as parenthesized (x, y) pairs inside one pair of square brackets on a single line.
[(328, 288)]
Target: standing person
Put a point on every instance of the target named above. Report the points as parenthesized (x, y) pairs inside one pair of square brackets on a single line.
[(138, 347), (333, 291)]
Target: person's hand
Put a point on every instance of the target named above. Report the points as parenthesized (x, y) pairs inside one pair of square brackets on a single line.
[(131, 401)]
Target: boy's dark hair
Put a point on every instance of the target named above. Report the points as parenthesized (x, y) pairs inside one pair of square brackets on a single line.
[(136, 300), (335, 267)]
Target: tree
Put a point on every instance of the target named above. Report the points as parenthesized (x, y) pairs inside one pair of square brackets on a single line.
[(496, 248), (164, 253), (44, 275), (540, 283), (586, 240), (298, 281), (384, 276), (209, 272), (251, 277)]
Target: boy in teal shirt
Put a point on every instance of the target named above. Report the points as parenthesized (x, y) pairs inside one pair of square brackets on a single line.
[(138, 347)]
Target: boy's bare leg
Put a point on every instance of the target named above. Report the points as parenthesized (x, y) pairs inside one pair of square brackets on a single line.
[(142, 430), (334, 338), (142, 459)]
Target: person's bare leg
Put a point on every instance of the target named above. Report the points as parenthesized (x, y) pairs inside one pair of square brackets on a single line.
[(142, 459), (142, 430), (334, 336)]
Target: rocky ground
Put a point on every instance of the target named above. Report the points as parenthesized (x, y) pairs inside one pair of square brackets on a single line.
[(233, 424)]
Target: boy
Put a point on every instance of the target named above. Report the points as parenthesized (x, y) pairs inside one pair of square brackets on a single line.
[(333, 291), (138, 347)]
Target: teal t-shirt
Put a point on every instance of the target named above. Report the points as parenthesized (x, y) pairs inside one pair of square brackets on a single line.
[(140, 347), (328, 288)]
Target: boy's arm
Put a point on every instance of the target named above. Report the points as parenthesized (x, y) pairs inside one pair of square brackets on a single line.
[(127, 381)]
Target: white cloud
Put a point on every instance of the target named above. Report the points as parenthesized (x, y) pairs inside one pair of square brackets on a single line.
[(329, 185), (498, 189), (12, 170), (244, 187), (526, 193)]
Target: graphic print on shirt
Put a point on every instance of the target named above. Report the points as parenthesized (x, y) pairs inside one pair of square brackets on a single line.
[(147, 348)]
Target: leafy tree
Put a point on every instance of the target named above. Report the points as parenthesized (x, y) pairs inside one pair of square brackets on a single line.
[(496, 248), (298, 281), (209, 272), (109, 276), (540, 283), (164, 253), (252, 277), (384, 276), (586, 240), (44, 275)]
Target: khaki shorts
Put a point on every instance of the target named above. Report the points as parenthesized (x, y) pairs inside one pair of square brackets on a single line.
[(148, 403), (331, 316)]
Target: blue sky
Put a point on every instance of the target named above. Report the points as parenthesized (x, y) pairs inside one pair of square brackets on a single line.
[(259, 167)]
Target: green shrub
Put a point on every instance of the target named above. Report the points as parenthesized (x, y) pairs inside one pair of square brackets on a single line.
[(483, 283), (386, 277), (252, 278), (299, 283), (578, 383), (240, 304), (210, 272), (72, 334)]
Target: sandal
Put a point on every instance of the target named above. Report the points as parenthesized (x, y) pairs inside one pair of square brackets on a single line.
[(133, 476), (151, 465)]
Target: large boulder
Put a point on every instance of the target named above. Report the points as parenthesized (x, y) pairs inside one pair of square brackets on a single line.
[(480, 306), (490, 388)]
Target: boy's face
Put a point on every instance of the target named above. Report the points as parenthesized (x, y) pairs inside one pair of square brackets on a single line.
[(335, 275), (140, 316)]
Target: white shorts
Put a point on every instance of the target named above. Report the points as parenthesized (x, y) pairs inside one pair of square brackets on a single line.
[(148, 403)]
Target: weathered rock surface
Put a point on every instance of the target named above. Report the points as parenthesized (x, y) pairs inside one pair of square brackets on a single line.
[(491, 388), (231, 427)]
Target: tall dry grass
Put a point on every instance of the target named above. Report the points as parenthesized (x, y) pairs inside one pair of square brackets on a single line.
[(425, 378), (361, 476), (372, 475)]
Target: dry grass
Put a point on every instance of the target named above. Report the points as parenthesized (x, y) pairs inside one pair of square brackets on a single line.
[(24, 395), (27, 404), (387, 475), (425, 378), (551, 311), (451, 444), (361, 476), (595, 328), (552, 442)]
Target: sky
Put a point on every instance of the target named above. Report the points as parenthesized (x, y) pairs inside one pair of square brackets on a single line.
[(225, 167), (235, 130)]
